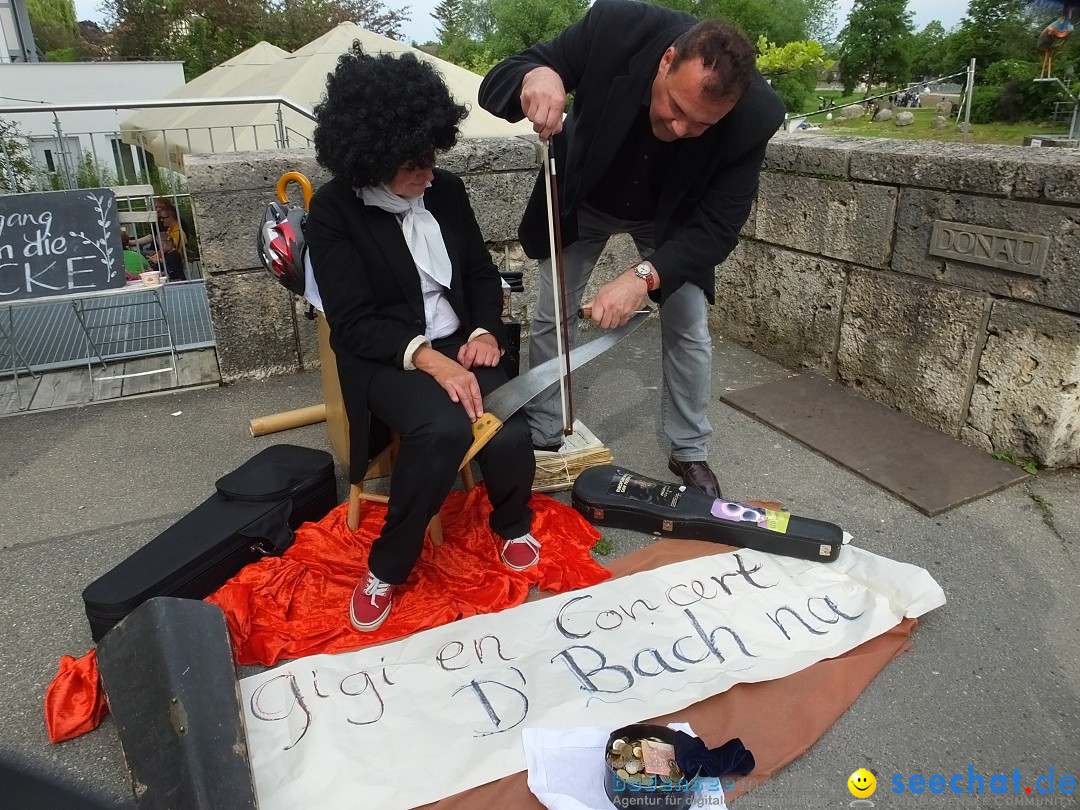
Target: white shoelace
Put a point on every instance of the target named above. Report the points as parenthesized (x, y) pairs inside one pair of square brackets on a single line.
[(375, 587)]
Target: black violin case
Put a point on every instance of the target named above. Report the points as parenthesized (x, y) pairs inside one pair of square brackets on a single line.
[(612, 496), (252, 514)]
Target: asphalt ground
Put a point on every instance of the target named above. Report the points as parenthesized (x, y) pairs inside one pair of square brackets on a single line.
[(991, 684)]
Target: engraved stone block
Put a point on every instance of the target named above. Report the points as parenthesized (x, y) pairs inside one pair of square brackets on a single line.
[(1058, 283), (991, 247)]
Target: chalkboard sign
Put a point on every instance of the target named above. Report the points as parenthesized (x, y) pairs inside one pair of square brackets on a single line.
[(59, 243)]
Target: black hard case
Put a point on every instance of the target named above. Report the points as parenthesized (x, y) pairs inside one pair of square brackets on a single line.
[(612, 496), (252, 514)]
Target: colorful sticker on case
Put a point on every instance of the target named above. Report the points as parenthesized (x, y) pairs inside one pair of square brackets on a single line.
[(739, 513), (777, 521)]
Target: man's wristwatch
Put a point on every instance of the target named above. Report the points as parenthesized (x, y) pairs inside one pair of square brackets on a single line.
[(644, 272)]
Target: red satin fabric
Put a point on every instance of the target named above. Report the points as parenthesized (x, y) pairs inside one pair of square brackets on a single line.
[(74, 701), (298, 604)]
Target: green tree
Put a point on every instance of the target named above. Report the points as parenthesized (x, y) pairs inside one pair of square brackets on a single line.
[(875, 45), (992, 30), (478, 20), (143, 29), (929, 57), (449, 21), (792, 69), (452, 27), (521, 23), (56, 31), (781, 21), (204, 33), (213, 31), (291, 24), (16, 167)]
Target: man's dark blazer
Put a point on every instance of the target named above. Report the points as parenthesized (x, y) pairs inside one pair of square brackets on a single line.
[(609, 59), (370, 286)]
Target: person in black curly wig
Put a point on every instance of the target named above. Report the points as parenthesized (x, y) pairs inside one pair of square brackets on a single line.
[(414, 306), (381, 111)]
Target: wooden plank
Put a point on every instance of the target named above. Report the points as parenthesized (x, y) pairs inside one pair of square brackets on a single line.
[(148, 383), (134, 190), (136, 217), (915, 462), (59, 388), (108, 388), (199, 367), (13, 400)]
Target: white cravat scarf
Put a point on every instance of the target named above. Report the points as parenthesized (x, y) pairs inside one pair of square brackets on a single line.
[(421, 230)]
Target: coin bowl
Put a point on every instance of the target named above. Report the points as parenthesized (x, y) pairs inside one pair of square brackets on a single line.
[(626, 795)]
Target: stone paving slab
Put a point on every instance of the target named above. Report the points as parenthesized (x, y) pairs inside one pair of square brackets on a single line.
[(914, 462), (992, 680)]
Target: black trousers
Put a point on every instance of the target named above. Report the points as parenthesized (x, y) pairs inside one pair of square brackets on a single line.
[(435, 433)]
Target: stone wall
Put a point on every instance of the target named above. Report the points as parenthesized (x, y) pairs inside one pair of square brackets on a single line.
[(939, 279), (942, 280)]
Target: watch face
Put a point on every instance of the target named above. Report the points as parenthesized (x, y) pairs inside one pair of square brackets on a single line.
[(643, 271)]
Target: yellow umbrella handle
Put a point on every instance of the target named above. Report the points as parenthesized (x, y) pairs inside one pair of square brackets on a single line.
[(290, 177)]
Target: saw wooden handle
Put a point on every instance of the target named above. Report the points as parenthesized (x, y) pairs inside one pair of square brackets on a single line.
[(483, 430)]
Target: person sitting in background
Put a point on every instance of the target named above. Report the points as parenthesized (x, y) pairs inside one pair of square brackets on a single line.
[(169, 223), (134, 262), (169, 260)]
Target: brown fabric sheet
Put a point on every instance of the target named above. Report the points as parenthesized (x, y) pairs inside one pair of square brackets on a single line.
[(776, 720)]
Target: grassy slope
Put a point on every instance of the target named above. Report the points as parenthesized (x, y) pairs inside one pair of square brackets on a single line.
[(920, 130)]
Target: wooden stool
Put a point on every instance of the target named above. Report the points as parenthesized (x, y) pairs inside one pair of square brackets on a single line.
[(381, 466), (337, 429)]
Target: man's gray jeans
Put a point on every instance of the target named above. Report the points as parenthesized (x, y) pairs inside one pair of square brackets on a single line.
[(686, 346)]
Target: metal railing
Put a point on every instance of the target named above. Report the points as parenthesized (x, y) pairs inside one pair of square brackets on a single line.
[(155, 146), (141, 153)]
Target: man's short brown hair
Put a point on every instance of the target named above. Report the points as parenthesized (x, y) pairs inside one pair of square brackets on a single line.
[(726, 53)]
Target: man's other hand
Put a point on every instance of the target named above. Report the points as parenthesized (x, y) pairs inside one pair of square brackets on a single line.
[(543, 98)]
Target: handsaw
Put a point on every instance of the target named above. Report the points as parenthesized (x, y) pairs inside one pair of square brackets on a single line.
[(511, 396)]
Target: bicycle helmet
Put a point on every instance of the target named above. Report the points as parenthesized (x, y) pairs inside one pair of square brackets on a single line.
[(280, 244)]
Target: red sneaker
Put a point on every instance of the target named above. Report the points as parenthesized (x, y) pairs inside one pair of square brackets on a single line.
[(521, 552), (371, 602)]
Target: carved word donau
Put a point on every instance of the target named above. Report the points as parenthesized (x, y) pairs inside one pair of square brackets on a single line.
[(991, 247)]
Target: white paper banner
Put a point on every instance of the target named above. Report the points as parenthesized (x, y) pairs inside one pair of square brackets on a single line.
[(442, 711)]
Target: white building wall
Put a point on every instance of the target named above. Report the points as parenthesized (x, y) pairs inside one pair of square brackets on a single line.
[(34, 83), (74, 82)]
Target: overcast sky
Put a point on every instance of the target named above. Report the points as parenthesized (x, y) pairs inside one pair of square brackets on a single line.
[(422, 27)]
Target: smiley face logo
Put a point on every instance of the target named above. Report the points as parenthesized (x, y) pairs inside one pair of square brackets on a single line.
[(862, 784)]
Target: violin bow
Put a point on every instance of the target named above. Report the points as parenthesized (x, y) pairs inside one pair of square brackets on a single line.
[(558, 286)]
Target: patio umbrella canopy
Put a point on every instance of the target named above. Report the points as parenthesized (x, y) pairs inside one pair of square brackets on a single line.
[(264, 70), (152, 129)]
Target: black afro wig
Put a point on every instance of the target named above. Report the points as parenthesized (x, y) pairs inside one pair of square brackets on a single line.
[(380, 112)]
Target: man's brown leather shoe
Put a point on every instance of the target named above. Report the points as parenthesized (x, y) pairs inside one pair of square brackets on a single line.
[(696, 475)]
